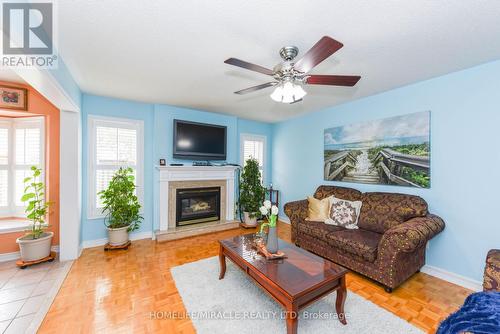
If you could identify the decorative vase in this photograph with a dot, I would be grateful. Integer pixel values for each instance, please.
(272, 240)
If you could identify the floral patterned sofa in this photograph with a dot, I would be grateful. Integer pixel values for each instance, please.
(389, 245)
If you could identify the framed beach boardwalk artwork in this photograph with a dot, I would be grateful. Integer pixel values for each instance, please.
(394, 151)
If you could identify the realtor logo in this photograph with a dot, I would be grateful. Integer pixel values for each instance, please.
(28, 34)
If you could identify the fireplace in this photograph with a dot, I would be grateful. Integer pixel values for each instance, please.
(197, 205)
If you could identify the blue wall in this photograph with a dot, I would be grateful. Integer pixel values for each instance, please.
(103, 106)
(158, 125)
(465, 158)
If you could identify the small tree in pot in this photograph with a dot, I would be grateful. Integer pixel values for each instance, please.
(121, 207)
(251, 191)
(35, 245)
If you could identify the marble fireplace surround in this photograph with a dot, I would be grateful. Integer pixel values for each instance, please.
(174, 177)
(174, 185)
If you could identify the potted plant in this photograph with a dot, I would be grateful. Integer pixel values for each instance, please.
(35, 244)
(251, 191)
(121, 206)
(271, 213)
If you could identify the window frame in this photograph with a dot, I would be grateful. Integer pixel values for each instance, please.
(254, 137)
(125, 123)
(38, 122)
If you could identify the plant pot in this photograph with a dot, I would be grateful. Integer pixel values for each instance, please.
(251, 221)
(118, 236)
(35, 249)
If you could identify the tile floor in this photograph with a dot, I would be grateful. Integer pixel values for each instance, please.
(25, 292)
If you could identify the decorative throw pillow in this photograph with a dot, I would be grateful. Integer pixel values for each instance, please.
(344, 213)
(318, 209)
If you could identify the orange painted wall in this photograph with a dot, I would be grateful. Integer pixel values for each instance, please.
(39, 105)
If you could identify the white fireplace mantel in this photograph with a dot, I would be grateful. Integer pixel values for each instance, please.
(194, 173)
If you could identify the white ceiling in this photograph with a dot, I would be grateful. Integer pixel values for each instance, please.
(172, 52)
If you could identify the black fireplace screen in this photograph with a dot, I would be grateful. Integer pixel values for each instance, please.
(197, 205)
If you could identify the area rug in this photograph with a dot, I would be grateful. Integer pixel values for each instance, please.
(237, 305)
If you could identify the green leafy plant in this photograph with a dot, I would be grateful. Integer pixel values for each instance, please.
(251, 190)
(37, 208)
(120, 201)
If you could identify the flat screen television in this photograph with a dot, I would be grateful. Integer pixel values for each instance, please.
(198, 141)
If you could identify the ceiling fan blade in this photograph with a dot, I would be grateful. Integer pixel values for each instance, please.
(255, 88)
(323, 49)
(334, 80)
(248, 66)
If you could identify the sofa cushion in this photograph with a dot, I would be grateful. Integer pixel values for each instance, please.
(344, 213)
(318, 209)
(357, 242)
(317, 229)
(381, 211)
(339, 192)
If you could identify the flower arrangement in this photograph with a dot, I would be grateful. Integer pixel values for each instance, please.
(270, 212)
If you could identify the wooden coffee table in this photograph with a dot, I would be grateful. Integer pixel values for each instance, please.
(294, 282)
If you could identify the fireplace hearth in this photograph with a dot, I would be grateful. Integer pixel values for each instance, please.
(197, 205)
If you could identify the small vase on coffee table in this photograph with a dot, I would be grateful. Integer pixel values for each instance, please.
(272, 240)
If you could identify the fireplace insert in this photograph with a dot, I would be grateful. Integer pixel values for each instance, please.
(197, 205)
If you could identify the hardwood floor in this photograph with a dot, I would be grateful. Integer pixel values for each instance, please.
(117, 291)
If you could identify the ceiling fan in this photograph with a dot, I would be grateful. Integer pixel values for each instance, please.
(290, 75)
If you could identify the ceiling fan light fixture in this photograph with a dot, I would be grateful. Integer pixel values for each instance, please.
(277, 94)
(288, 92)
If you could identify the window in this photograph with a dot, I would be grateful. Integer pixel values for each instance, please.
(253, 146)
(113, 143)
(21, 146)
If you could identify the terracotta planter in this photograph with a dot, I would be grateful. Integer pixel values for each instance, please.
(251, 221)
(35, 249)
(117, 236)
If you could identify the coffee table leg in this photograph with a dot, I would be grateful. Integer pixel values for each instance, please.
(222, 261)
(339, 305)
(292, 319)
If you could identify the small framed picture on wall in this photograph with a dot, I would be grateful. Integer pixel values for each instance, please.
(13, 98)
(163, 162)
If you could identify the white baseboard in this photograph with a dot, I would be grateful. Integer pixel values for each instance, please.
(452, 278)
(16, 255)
(284, 219)
(103, 241)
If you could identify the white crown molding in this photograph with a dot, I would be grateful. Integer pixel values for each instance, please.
(103, 241)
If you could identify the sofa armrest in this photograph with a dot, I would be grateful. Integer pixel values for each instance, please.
(492, 271)
(297, 212)
(411, 235)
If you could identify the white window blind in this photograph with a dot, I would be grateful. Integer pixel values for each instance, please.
(21, 146)
(253, 146)
(113, 143)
